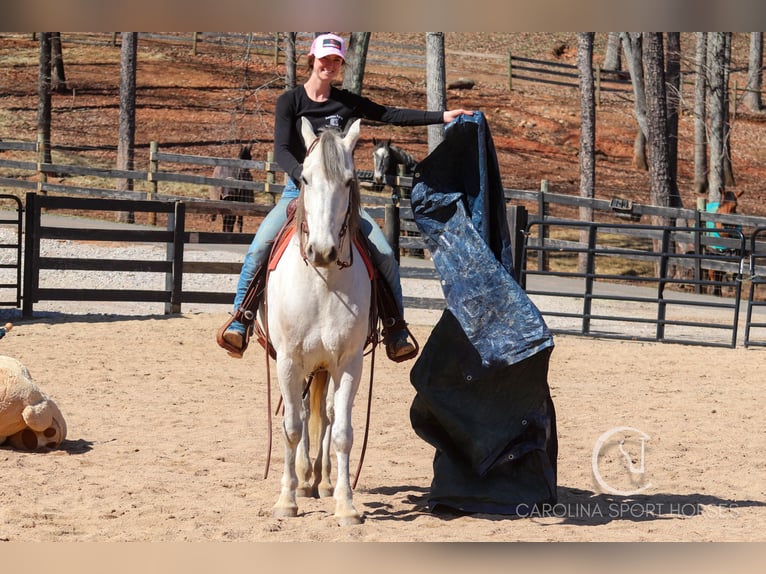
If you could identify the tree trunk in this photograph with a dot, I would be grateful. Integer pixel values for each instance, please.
(716, 55)
(752, 98)
(673, 78)
(657, 121)
(587, 132)
(127, 119)
(44, 98)
(700, 116)
(631, 43)
(660, 182)
(58, 78)
(290, 61)
(728, 172)
(613, 56)
(356, 59)
(436, 84)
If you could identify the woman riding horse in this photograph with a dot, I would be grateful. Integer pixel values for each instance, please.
(325, 106)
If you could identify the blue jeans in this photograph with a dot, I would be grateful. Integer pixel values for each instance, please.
(382, 255)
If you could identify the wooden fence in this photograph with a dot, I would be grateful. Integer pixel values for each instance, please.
(531, 215)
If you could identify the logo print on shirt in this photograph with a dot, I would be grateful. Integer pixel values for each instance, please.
(333, 122)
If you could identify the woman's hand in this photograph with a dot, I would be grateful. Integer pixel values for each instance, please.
(450, 115)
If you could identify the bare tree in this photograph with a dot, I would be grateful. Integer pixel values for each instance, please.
(657, 121)
(613, 56)
(44, 98)
(631, 43)
(436, 84)
(127, 118)
(587, 131)
(356, 59)
(752, 97)
(700, 115)
(291, 61)
(716, 54)
(728, 171)
(673, 102)
(58, 77)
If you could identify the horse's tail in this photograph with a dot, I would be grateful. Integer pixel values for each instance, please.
(316, 395)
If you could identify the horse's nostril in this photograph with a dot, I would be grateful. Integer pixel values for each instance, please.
(333, 255)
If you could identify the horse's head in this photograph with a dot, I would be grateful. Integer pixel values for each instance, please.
(381, 159)
(329, 207)
(245, 152)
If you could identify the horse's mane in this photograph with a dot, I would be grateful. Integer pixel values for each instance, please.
(333, 164)
(401, 156)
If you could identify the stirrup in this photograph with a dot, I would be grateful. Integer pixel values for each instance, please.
(235, 352)
(390, 336)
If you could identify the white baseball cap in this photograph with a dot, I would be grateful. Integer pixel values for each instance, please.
(328, 44)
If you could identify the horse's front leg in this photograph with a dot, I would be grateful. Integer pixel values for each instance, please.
(343, 440)
(292, 429)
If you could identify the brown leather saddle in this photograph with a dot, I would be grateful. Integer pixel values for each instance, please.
(383, 305)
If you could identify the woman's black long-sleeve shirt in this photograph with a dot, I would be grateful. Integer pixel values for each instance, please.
(337, 112)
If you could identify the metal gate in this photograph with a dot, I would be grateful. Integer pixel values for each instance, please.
(11, 219)
(755, 327)
(637, 283)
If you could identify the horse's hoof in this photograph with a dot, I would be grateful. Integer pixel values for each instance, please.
(352, 520)
(282, 512)
(326, 492)
(305, 492)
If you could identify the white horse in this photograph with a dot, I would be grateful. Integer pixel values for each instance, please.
(318, 303)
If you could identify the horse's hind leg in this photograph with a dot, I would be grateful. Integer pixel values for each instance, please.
(302, 456)
(323, 463)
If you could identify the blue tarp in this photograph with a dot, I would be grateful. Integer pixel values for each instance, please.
(459, 207)
(482, 395)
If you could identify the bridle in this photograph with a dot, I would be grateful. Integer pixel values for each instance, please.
(343, 235)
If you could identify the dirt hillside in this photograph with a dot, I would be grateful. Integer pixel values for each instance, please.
(206, 103)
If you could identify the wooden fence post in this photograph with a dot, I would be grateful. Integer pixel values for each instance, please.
(42, 177)
(175, 254)
(543, 211)
(517, 225)
(195, 37)
(31, 255)
(391, 226)
(154, 166)
(510, 71)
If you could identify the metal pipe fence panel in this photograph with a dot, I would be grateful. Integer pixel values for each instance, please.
(601, 283)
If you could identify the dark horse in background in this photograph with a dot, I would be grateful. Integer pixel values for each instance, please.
(386, 159)
(218, 192)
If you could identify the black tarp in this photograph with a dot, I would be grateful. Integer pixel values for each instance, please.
(482, 377)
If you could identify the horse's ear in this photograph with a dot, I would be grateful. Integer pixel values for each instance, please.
(352, 135)
(307, 131)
